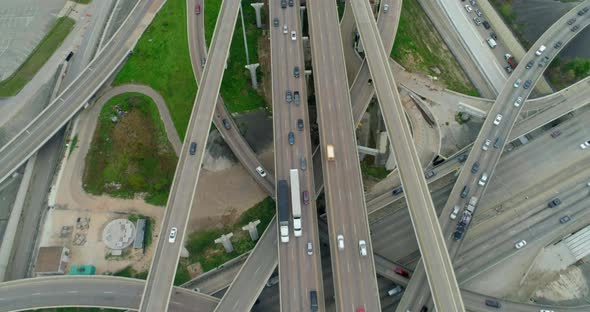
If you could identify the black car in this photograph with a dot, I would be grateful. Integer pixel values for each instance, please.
(554, 203)
(398, 191)
(462, 158)
(193, 148)
(527, 84)
(486, 25)
(291, 138)
(571, 21)
(226, 124)
(475, 167)
(558, 44)
(296, 72)
(497, 143)
(465, 191)
(283, 4)
(300, 124)
(296, 97)
(575, 28)
(290, 3)
(493, 35)
(457, 235)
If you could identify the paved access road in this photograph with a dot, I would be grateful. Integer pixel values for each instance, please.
(299, 273)
(162, 271)
(34, 135)
(441, 277)
(504, 105)
(354, 275)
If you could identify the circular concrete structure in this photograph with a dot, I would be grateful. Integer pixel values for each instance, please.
(118, 234)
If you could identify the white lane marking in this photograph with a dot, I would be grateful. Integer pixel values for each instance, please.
(36, 294)
(107, 292)
(72, 291)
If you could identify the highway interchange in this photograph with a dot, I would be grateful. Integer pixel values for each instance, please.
(326, 72)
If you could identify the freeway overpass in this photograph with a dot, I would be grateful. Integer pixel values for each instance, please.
(493, 129)
(163, 267)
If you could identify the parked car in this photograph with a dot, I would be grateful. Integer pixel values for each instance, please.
(521, 243)
(498, 119)
(527, 84)
(554, 203)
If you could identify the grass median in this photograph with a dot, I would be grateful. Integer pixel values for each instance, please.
(419, 48)
(236, 87)
(54, 38)
(130, 153)
(161, 60)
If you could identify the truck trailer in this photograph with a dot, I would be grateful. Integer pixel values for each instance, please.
(283, 203)
(295, 202)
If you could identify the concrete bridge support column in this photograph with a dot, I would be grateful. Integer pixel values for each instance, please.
(252, 69)
(225, 240)
(251, 227)
(257, 7)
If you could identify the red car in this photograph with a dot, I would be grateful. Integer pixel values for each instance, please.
(402, 272)
(360, 309)
(197, 9)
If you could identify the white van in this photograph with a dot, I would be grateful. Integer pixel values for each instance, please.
(492, 43)
(540, 50)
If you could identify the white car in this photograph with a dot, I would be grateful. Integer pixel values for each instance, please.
(543, 310)
(517, 83)
(585, 145)
(293, 35)
(518, 101)
(468, 8)
(261, 171)
(363, 248)
(486, 144)
(172, 236)
(340, 239)
(498, 119)
(483, 180)
(520, 244)
(309, 249)
(455, 212)
(285, 31)
(385, 8)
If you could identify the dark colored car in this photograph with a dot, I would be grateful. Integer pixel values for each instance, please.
(475, 167)
(305, 197)
(283, 4)
(291, 138)
(296, 72)
(288, 96)
(226, 124)
(300, 124)
(203, 61)
(290, 3)
(493, 303)
(429, 174)
(530, 64)
(571, 21)
(402, 272)
(575, 28)
(275, 22)
(486, 25)
(457, 235)
(193, 148)
(398, 191)
(527, 84)
(497, 143)
(462, 158)
(465, 191)
(564, 219)
(555, 134)
(493, 35)
(554, 203)
(296, 97)
(558, 44)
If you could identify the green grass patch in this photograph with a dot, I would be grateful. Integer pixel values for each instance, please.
(459, 118)
(133, 154)
(56, 35)
(563, 74)
(73, 144)
(369, 170)
(131, 273)
(419, 48)
(161, 60)
(82, 1)
(203, 249)
(211, 10)
(341, 6)
(236, 86)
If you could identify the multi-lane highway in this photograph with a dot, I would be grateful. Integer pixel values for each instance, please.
(165, 260)
(300, 272)
(75, 95)
(441, 277)
(496, 128)
(353, 273)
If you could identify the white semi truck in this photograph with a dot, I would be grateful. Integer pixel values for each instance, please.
(295, 202)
